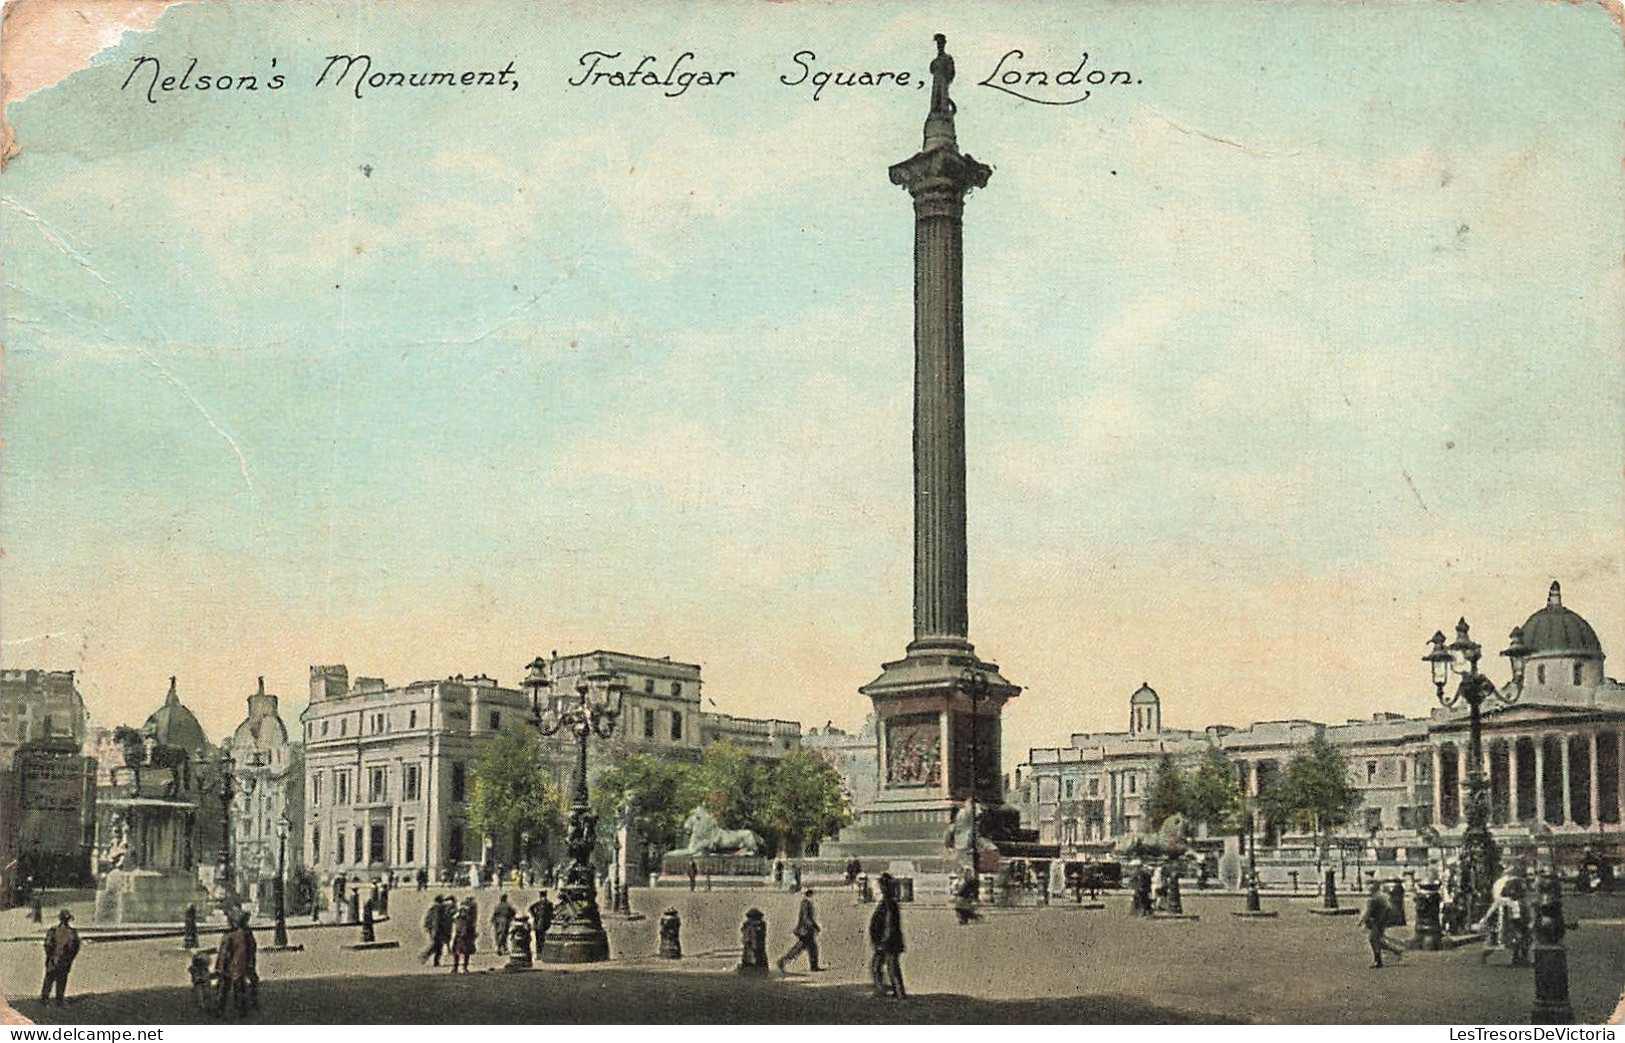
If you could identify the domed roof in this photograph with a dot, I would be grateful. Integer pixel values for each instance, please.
(1556, 630)
(1144, 694)
(263, 727)
(172, 724)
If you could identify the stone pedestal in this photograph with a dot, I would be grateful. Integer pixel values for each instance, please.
(147, 896)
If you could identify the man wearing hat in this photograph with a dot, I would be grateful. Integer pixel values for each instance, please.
(806, 932)
(61, 946)
(886, 939)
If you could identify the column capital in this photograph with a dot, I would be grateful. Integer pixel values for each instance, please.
(940, 171)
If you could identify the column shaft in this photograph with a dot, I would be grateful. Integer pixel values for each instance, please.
(1438, 788)
(1512, 780)
(1568, 795)
(939, 417)
(1592, 802)
(1540, 779)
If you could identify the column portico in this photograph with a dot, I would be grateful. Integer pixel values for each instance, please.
(1540, 778)
(1512, 779)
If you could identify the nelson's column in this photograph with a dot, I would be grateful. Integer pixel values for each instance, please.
(937, 709)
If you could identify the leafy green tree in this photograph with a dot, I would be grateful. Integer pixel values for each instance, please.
(806, 800)
(652, 790)
(1167, 795)
(733, 785)
(510, 795)
(1212, 791)
(1314, 792)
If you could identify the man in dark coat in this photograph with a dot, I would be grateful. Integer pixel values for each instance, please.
(541, 918)
(1375, 918)
(693, 873)
(501, 920)
(462, 939)
(886, 940)
(61, 946)
(431, 927)
(806, 932)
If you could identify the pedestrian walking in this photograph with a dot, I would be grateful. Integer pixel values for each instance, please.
(1374, 918)
(501, 922)
(462, 939)
(431, 927)
(355, 903)
(965, 900)
(693, 873)
(35, 913)
(541, 918)
(886, 942)
(61, 947)
(806, 932)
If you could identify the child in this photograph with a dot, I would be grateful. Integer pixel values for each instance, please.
(202, 976)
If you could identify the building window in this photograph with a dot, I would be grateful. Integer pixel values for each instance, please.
(1071, 788)
(677, 688)
(1373, 819)
(1404, 818)
(649, 685)
(1131, 782)
(411, 844)
(358, 845)
(341, 787)
(324, 727)
(377, 785)
(459, 782)
(649, 722)
(409, 786)
(454, 847)
(1094, 786)
(496, 719)
(411, 718)
(1401, 771)
(1370, 771)
(375, 844)
(316, 788)
(676, 724)
(344, 725)
(1577, 674)
(338, 849)
(1540, 674)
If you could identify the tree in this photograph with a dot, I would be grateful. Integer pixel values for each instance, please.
(1167, 796)
(806, 799)
(1314, 793)
(511, 796)
(1212, 792)
(733, 785)
(653, 791)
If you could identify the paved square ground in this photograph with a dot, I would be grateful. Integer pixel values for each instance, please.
(1056, 964)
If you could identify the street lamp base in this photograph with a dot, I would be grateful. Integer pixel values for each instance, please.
(575, 944)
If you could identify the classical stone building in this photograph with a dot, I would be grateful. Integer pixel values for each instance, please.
(855, 755)
(269, 782)
(47, 785)
(1552, 760)
(388, 769)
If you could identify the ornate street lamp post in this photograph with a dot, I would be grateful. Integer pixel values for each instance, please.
(975, 684)
(279, 885)
(577, 934)
(1480, 862)
(224, 783)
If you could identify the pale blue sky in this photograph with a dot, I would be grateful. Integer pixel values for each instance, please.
(1277, 361)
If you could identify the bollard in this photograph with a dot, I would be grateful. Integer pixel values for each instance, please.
(1175, 905)
(519, 945)
(753, 943)
(189, 941)
(1552, 1005)
(671, 935)
(1328, 896)
(866, 892)
(367, 933)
